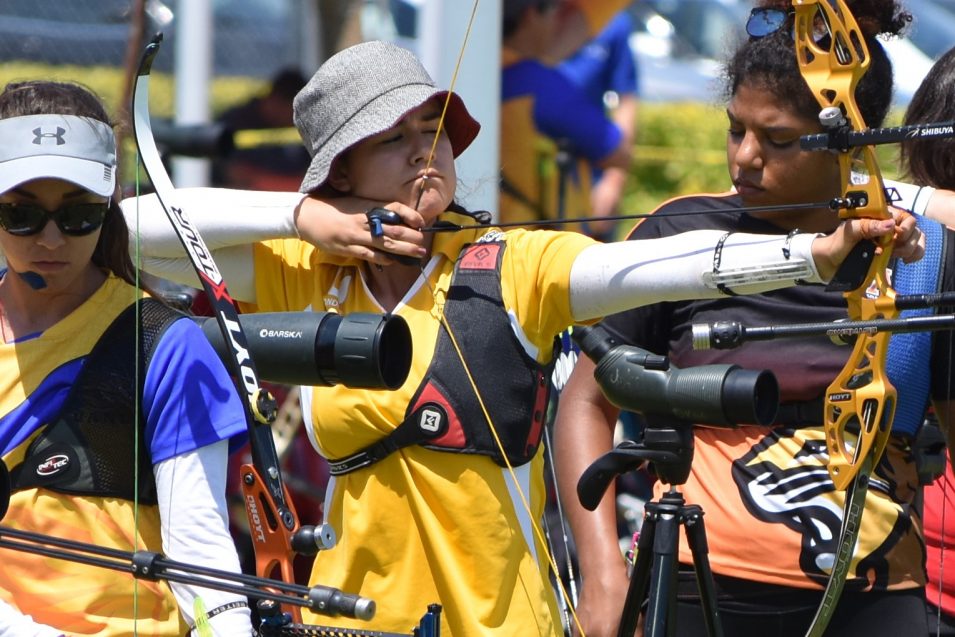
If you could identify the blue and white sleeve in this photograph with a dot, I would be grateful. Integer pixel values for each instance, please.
(912, 198)
(188, 397)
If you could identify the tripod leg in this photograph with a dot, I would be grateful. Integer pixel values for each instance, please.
(696, 538)
(654, 574)
(640, 577)
(661, 604)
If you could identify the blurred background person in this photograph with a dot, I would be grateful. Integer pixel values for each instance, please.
(551, 133)
(270, 163)
(604, 69)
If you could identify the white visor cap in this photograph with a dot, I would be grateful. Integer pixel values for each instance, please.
(80, 150)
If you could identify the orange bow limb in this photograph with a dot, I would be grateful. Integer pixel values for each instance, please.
(271, 539)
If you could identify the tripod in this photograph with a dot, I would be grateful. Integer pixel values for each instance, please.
(669, 446)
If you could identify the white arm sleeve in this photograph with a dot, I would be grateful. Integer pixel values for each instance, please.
(234, 263)
(13, 623)
(223, 217)
(229, 221)
(195, 530)
(611, 277)
(913, 198)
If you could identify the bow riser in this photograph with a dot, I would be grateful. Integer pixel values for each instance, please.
(860, 405)
(272, 541)
(832, 72)
(862, 384)
(860, 402)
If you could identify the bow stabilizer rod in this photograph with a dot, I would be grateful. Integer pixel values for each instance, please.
(844, 138)
(152, 566)
(732, 334)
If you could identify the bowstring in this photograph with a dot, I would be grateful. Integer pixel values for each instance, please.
(447, 100)
(136, 384)
(538, 533)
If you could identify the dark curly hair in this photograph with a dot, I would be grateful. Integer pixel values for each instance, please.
(932, 161)
(770, 62)
(42, 97)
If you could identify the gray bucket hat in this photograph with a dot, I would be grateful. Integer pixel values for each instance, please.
(362, 91)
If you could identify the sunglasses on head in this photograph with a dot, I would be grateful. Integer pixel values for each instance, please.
(763, 22)
(74, 220)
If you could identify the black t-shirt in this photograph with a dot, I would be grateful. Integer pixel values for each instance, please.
(773, 515)
(803, 366)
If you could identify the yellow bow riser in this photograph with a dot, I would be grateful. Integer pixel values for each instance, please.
(860, 402)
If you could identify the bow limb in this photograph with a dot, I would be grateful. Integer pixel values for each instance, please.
(272, 517)
(860, 402)
(524, 498)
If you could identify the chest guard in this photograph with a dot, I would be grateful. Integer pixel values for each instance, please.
(445, 414)
(91, 447)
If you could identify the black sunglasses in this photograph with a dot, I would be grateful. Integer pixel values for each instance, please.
(74, 220)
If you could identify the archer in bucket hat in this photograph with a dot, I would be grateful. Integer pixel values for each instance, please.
(422, 502)
(362, 91)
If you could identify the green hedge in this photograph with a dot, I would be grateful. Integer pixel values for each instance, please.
(108, 82)
(680, 149)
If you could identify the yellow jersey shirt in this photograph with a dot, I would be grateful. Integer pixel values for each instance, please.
(77, 598)
(424, 526)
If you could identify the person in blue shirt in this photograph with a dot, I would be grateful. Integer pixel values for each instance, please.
(605, 71)
(115, 412)
(551, 133)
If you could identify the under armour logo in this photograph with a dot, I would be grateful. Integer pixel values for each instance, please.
(430, 420)
(58, 136)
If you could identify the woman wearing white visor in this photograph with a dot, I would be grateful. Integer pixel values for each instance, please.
(106, 440)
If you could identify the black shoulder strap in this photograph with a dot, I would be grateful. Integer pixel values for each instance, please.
(513, 191)
(90, 448)
(442, 415)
